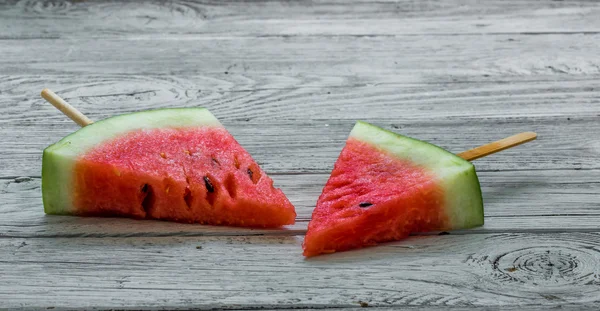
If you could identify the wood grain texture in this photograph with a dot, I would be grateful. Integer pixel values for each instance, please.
(515, 201)
(421, 58)
(312, 146)
(52, 19)
(241, 97)
(522, 106)
(289, 79)
(214, 272)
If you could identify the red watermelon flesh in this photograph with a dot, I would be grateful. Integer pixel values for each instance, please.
(385, 186)
(196, 173)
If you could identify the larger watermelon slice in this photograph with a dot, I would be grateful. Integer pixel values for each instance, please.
(385, 186)
(170, 164)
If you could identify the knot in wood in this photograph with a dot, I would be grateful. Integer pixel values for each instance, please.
(547, 266)
(46, 6)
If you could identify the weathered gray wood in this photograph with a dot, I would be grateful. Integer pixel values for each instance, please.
(45, 19)
(516, 201)
(247, 272)
(312, 146)
(422, 58)
(288, 79)
(299, 97)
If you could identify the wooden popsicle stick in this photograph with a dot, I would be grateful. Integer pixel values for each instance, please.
(468, 155)
(497, 146)
(65, 108)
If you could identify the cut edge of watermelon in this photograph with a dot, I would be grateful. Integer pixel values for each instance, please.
(458, 177)
(59, 159)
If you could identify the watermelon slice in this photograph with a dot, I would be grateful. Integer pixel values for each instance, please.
(170, 164)
(385, 186)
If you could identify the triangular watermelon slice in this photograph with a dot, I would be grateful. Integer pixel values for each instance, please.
(385, 186)
(170, 164)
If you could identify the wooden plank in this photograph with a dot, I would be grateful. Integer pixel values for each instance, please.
(269, 272)
(516, 201)
(91, 227)
(277, 97)
(312, 146)
(421, 58)
(356, 18)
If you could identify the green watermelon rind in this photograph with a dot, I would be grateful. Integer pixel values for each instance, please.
(457, 176)
(59, 159)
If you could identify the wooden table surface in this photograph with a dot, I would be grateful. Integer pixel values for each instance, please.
(289, 79)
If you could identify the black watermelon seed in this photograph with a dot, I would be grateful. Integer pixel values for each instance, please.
(208, 184)
(250, 173)
(145, 188)
(365, 204)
